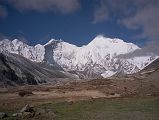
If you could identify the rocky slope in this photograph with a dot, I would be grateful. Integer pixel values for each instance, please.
(17, 70)
(97, 59)
(151, 72)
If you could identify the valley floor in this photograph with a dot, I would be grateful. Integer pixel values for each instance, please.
(132, 108)
(86, 100)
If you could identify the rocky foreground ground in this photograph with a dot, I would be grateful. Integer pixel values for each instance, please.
(12, 100)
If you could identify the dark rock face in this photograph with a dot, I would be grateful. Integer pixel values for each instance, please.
(49, 53)
(151, 72)
(17, 70)
(153, 65)
(13, 73)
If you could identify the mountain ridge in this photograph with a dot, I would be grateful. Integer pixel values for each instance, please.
(98, 58)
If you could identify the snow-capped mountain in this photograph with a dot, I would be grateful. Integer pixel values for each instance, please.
(98, 58)
(34, 53)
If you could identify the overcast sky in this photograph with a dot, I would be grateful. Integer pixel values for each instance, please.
(79, 21)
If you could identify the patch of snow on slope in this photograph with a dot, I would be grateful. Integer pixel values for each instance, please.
(108, 74)
(142, 61)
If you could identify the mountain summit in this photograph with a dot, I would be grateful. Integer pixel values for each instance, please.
(97, 59)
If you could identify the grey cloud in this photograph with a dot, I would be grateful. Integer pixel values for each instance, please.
(148, 19)
(151, 49)
(3, 12)
(106, 9)
(101, 12)
(123, 7)
(63, 6)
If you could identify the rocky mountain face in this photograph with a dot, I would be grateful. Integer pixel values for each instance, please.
(17, 70)
(97, 59)
(151, 72)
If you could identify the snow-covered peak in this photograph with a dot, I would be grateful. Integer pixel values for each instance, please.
(100, 40)
(5, 40)
(68, 45)
(109, 45)
(52, 41)
(16, 41)
(4, 43)
(97, 57)
(39, 45)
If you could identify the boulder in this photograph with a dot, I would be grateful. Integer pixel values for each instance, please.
(17, 114)
(28, 114)
(27, 108)
(45, 112)
(3, 115)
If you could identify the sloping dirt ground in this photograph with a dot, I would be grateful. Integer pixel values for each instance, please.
(84, 89)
